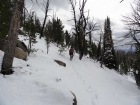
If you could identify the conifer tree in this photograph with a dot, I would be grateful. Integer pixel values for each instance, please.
(85, 48)
(54, 33)
(67, 38)
(37, 25)
(108, 47)
(49, 30)
(137, 65)
(59, 32)
(74, 42)
(99, 52)
(48, 34)
(124, 64)
(118, 60)
(93, 51)
(31, 30)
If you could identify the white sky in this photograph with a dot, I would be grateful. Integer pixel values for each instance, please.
(99, 10)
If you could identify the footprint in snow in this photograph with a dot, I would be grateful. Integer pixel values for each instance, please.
(87, 90)
(96, 97)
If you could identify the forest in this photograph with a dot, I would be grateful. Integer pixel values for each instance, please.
(15, 19)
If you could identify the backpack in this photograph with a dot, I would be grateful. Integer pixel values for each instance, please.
(71, 50)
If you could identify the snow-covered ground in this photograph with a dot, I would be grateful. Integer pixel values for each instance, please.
(41, 81)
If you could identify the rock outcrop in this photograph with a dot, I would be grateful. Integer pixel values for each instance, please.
(19, 53)
(21, 50)
(60, 63)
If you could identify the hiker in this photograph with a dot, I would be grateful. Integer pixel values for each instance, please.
(71, 53)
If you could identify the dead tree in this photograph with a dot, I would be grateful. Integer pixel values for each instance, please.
(80, 24)
(46, 15)
(91, 27)
(121, 1)
(133, 24)
(12, 38)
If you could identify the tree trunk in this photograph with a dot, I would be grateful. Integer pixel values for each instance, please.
(46, 12)
(29, 46)
(79, 45)
(12, 38)
(42, 30)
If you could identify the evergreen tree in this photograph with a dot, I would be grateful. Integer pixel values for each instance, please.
(85, 48)
(49, 30)
(57, 31)
(124, 65)
(124, 61)
(48, 34)
(99, 52)
(62, 48)
(137, 65)
(118, 60)
(60, 32)
(67, 38)
(31, 30)
(108, 53)
(37, 25)
(54, 33)
(54, 29)
(6, 9)
(74, 42)
(93, 51)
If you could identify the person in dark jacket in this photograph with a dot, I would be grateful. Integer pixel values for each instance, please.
(71, 53)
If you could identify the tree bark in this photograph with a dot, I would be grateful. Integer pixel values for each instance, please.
(12, 38)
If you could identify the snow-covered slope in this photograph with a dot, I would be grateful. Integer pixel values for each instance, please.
(41, 81)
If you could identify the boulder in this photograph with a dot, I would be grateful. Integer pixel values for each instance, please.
(60, 63)
(21, 45)
(19, 53)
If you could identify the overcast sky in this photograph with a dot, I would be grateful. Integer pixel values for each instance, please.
(99, 10)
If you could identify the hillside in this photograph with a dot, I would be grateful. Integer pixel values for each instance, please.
(41, 81)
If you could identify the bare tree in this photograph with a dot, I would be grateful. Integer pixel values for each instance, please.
(46, 15)
(121, 1)
(133, 23)
(91, 27)
(12, 38)
(80, 24)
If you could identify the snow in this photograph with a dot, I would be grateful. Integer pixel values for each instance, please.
(41, 81)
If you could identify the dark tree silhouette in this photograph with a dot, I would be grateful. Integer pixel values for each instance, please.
(80, 25)
(108, 47)
(12, 38)
(46, 15)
